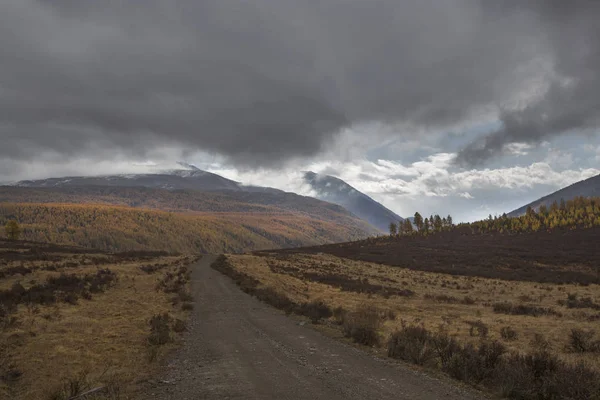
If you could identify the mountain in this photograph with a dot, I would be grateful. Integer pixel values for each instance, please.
(187, 177)
(335, 190)
(586, 188)
(66, 211)
(186, 201)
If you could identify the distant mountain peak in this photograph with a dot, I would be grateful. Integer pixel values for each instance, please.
(188, 166)
(335, 190)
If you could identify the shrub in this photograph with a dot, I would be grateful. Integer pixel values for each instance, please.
(179, 326)
(508, 333)
(523, 309)
(411, 343)
(536, 376)
(363, 326)
(315, 310)
(160, 332)
(474, 365)
(187, 306)
(582, 341)
(478, 328)
(339, 314)
(542, 376)
(575, 302)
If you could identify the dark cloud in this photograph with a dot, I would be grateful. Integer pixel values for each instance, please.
(572, 100)
(262, 81)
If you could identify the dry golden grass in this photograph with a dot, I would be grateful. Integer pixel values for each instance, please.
(104, 338)
(423, 309)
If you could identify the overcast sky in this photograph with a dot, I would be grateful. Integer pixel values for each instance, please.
(466, 107)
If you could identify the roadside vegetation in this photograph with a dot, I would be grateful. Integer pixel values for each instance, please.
(520, 340)
(75, 320)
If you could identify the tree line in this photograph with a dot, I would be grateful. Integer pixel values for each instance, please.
(432, 224)
(578, 213)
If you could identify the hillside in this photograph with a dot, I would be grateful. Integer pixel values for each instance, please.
(335, 190)
(123, 228)
(188, 201)
(587, 188)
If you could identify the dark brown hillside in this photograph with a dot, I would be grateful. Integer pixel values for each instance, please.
(559, 256)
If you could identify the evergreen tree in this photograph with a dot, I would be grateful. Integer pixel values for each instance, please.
(437, 223)
(426, 226)
(393, 229)
(408, 227)
(419, 221)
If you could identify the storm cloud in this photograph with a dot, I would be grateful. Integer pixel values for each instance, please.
(261, 82)
(570, 103)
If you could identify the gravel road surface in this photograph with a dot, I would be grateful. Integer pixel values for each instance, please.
(240, 348)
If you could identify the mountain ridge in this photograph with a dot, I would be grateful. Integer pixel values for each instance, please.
(335, 190)
(589, 187)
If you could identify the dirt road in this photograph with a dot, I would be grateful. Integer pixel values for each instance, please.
(240, 348)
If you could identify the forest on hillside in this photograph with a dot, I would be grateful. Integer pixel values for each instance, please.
(578, 213)
(179, 200)
(123, 228)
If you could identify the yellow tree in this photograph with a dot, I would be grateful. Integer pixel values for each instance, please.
(13, 230)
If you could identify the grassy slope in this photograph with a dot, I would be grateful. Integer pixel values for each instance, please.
(96, 342)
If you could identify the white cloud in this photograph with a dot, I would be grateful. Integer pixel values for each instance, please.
(517, 149)
(431, 185)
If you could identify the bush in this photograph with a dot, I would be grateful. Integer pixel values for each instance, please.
(475, 365)
(363, 326)
(575, 302)
(160, 332)
(542, 376)
(523, 309)
(582, 341)
(315, 310)
(179, 326)
(413, 344)
(187, 306)
(508, 333)
(69, 286)
(339, 314)
(536, 376)
(478, 328)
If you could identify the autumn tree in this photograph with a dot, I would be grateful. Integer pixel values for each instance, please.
(393, 229)
(13, 230)
(418, 221)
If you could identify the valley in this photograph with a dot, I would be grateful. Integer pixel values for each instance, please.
(507, 305)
